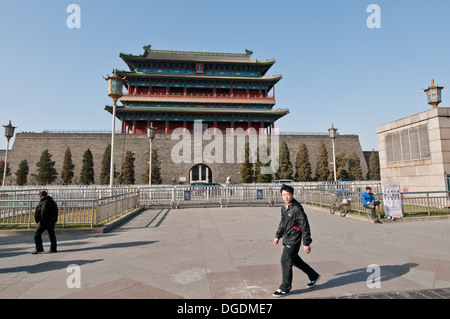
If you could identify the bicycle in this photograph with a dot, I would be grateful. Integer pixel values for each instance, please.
(340, 205)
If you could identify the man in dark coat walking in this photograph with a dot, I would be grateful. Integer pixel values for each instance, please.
(293, 228)
(46, 215)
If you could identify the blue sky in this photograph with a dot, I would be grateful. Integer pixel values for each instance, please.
(335, 69)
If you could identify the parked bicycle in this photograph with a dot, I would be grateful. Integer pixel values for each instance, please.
(341, 204)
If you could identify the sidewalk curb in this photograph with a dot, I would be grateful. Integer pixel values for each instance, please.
(384, 220)
(352, 216)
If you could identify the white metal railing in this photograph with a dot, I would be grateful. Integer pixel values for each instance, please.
(238, 194)
(220, 195)
(93, 204)
(412, 203)
(71, 211)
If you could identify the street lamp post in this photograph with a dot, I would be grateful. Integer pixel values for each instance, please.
(115, 84)
(333, 133)
(151, 132)
(434, 94)
(9, 133)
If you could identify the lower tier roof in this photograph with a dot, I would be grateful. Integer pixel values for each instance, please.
(191, 113)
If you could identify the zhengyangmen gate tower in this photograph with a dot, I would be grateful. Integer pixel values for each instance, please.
(172, 89)
(230, 92)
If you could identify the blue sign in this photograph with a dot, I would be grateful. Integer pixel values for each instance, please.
(187, 195)
(259, 194)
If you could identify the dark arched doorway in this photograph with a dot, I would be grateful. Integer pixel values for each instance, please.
(200, 173)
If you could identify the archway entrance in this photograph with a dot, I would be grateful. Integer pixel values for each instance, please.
(200, 174)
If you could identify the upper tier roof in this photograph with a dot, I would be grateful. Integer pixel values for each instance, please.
(189, 56)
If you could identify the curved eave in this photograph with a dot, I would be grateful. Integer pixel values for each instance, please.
(129, 74)
(156, 99)
(120, 109)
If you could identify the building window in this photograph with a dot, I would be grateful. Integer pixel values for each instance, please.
(408, 145)
(199, 68)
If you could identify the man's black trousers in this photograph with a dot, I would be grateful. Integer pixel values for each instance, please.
(291, 258)
(372, 208)
(50, 228)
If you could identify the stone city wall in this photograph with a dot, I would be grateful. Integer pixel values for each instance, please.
(30, 146)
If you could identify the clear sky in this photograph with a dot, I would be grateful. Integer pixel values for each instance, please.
(335, 68)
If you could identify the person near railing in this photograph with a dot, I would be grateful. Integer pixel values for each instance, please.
(46, 215)
(369, 202)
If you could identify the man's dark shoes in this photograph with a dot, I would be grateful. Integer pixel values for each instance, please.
(313, 282)
(280, 293)
(35, 252)
(52, 251)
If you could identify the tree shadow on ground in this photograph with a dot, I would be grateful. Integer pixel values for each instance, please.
(46, 266)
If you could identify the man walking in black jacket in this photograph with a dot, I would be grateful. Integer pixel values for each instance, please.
(46, 215)
(293, 228)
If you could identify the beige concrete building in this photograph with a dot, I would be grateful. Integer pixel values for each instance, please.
(415, 151)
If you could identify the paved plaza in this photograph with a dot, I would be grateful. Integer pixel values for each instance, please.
(228, 253)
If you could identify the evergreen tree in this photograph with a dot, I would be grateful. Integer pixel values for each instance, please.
(106, 160)
(87, 169)
(67, 168)
(374, 167)
(302, 165)
(127, 172)
(156, 169)
(285, 170)
(22, 173)
(322, 171)
(46, 173)
(341, 162)
(246, 168)
(261, 178)
(2, 170)
(354, 167)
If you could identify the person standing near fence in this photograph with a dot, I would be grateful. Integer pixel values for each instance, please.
(293, 228)
(369, 202)
(46, 215)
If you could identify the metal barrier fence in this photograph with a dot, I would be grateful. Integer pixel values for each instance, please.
(239, 194)
(411, 202)
(66, 192)
(70, 211)
(93, 204)
(178, 196)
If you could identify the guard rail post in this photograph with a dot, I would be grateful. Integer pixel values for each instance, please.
(29, 215)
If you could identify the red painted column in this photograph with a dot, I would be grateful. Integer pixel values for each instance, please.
(166, 130)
